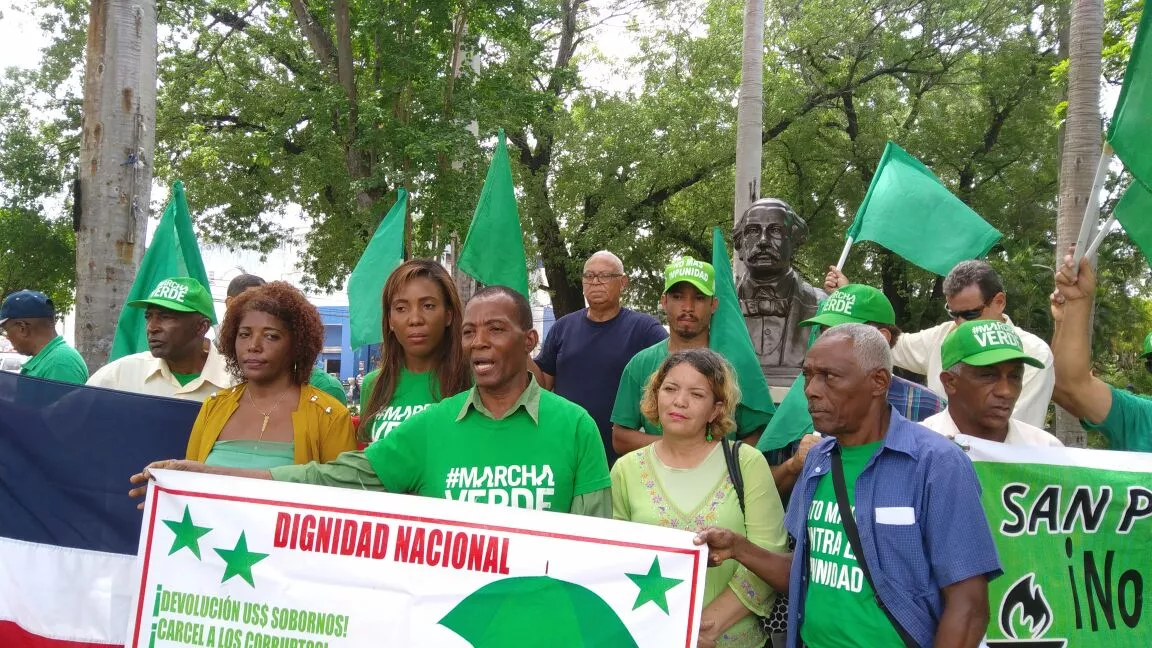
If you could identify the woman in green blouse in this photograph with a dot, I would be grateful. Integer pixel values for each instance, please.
(421, 357)
(682, 481)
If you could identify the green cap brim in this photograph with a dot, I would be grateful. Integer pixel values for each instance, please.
(164, 303)
(996, 356)
(700, 285)
(831, 319)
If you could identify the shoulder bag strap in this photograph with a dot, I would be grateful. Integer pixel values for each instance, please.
(848, 520)
(732, 458)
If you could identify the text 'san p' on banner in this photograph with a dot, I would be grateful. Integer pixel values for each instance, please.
(239, 562)
(1074, 532)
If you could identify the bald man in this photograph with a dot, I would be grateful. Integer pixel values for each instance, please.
(585, 352)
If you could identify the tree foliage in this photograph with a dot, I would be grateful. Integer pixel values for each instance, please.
(328, 105)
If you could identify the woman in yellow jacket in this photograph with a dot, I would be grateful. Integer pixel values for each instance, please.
(271, 337)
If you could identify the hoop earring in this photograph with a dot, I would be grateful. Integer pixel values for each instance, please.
(708, 431)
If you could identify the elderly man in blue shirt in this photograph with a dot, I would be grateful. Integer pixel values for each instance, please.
(926, 548)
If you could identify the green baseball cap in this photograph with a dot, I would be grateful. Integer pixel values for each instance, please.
(853, 304)
(1148, 344)
(981, 343)
(699, 274)
(182, 294)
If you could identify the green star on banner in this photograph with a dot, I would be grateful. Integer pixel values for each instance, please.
(653, 586)
(187, 534)
(239, 561)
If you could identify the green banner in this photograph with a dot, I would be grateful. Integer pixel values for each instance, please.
(1074, 532)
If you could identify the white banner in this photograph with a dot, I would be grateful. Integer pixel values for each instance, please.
(243, 563)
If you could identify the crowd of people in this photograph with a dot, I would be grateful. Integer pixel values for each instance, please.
(616, 417)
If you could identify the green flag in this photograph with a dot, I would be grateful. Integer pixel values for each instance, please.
(910, 212)
(174, 252)
(493, 253)
(1134, 211)
(366, 284)
(1130, 132)
(729, 337)
(791, 422)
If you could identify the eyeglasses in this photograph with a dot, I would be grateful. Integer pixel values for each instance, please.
(967, 315)
(602, 277)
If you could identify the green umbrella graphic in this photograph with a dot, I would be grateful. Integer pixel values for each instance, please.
(537, 611)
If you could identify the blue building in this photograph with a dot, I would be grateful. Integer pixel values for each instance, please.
(336, 357)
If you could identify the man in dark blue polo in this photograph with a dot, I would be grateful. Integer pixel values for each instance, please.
(927, 550)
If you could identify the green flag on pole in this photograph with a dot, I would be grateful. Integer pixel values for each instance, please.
(729, 337)
(1130, 132)
(174, 252)
(791, 421)
(1134, 211)
(909, 211)
(385, 251)
(493, 253)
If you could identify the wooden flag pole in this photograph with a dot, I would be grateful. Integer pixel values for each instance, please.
(1092, 210)
(844, 255)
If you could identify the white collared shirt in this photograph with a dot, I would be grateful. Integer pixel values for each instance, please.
(1019, 432)
(920, 352)
(143, 374)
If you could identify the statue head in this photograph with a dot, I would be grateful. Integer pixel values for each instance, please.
(767, 235)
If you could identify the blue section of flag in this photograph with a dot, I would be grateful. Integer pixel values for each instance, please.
(66, 453)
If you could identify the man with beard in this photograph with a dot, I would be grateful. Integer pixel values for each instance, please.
(180, 361)
(774, 298)
(689, 301)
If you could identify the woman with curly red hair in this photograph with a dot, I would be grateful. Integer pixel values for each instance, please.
(270, 338)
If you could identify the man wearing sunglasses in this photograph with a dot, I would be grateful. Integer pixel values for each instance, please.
(585, 352)
(972, 291)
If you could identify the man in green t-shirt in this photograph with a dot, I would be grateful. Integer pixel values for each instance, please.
(689, 301)
(1123, 417)
(319, 378)
(506, 441)
(28, 320)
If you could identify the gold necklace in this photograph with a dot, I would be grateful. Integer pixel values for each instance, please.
(267, 415)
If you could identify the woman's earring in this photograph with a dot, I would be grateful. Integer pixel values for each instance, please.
(708, 431)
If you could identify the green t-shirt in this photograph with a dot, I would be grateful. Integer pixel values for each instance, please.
(626, 410)
(184, 379)
(324, 381)
(835, 582)
(57, 361)
(414, 392)
(544, 452)
(1128, 425)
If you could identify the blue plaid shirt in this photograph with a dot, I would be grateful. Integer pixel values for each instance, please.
(948, 540)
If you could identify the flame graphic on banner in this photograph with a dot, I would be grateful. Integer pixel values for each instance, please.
(1035, 613)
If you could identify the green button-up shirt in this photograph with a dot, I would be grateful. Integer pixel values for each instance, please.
(352, 470)
(57, 361)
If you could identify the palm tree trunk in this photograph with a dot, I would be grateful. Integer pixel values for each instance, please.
(750, 109)
(117, 141)
(1081, 148)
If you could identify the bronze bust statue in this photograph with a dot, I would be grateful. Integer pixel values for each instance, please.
(774, 298)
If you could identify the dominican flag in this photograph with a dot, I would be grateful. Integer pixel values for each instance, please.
(68, 530)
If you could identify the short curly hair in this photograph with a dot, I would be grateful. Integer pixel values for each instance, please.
(715, 370)
(285, 302)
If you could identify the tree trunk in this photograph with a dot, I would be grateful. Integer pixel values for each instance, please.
(750, 109)
(117, 141)
(1081, 148)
